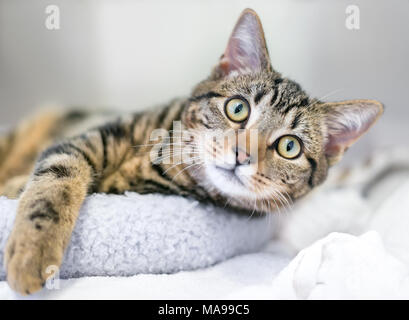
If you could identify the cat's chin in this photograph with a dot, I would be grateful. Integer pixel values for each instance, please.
(228, 181)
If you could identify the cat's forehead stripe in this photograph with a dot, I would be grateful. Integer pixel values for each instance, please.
(273, 100)
(260, 94)
(296, 121)
(208, 95)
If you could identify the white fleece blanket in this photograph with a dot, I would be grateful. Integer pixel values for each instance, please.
(367, 258)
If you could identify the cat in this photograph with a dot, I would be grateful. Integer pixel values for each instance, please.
(52, 170)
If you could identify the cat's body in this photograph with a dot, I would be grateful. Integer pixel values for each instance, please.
(120, 141)
(297, 139)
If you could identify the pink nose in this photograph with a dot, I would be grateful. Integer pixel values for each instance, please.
(242, 157)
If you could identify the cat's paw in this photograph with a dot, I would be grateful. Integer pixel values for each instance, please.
(28, 263)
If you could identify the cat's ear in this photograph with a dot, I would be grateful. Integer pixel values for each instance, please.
(246, 50)
(347, 121)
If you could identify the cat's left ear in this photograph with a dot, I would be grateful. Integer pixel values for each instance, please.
(246, 50)
(346, 122)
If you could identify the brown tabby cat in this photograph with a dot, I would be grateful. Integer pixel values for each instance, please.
(298, 139)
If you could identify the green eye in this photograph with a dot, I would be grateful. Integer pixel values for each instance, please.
(237, 110)
(289, 147)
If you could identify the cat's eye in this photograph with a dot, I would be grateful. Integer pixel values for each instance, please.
(237, 109)
(289, 147)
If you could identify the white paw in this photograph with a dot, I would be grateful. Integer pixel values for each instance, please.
(342, 266)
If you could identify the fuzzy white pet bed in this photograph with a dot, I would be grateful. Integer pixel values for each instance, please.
(133, 234)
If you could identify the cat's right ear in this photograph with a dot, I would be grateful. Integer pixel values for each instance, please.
(246, 50)
(346, 122)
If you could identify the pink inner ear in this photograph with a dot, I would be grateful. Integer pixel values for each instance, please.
(340, 141)
(246, 49)
(347, 122)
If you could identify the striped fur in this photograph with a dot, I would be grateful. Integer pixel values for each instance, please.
(52, 164)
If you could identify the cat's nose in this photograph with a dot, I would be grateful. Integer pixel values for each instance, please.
(242, 157)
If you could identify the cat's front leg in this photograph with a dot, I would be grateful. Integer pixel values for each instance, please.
(46, 216)
(50, 203)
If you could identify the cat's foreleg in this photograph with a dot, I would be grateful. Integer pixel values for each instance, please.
(46, 214)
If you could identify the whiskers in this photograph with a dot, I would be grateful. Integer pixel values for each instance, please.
(325, 96)
(269, 194)
(186, 158)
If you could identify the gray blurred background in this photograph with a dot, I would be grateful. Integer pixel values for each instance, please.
(134, 54)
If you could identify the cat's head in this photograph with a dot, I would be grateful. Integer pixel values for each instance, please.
(298, 137)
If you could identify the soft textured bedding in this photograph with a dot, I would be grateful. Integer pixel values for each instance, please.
(367, 257)
(132, 234)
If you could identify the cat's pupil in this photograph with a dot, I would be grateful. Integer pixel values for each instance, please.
(238, 108)
(290, 145)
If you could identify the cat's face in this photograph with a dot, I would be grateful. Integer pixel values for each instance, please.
(259, 138)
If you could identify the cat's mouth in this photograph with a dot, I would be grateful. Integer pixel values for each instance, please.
(230, 174)
(228, 180)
